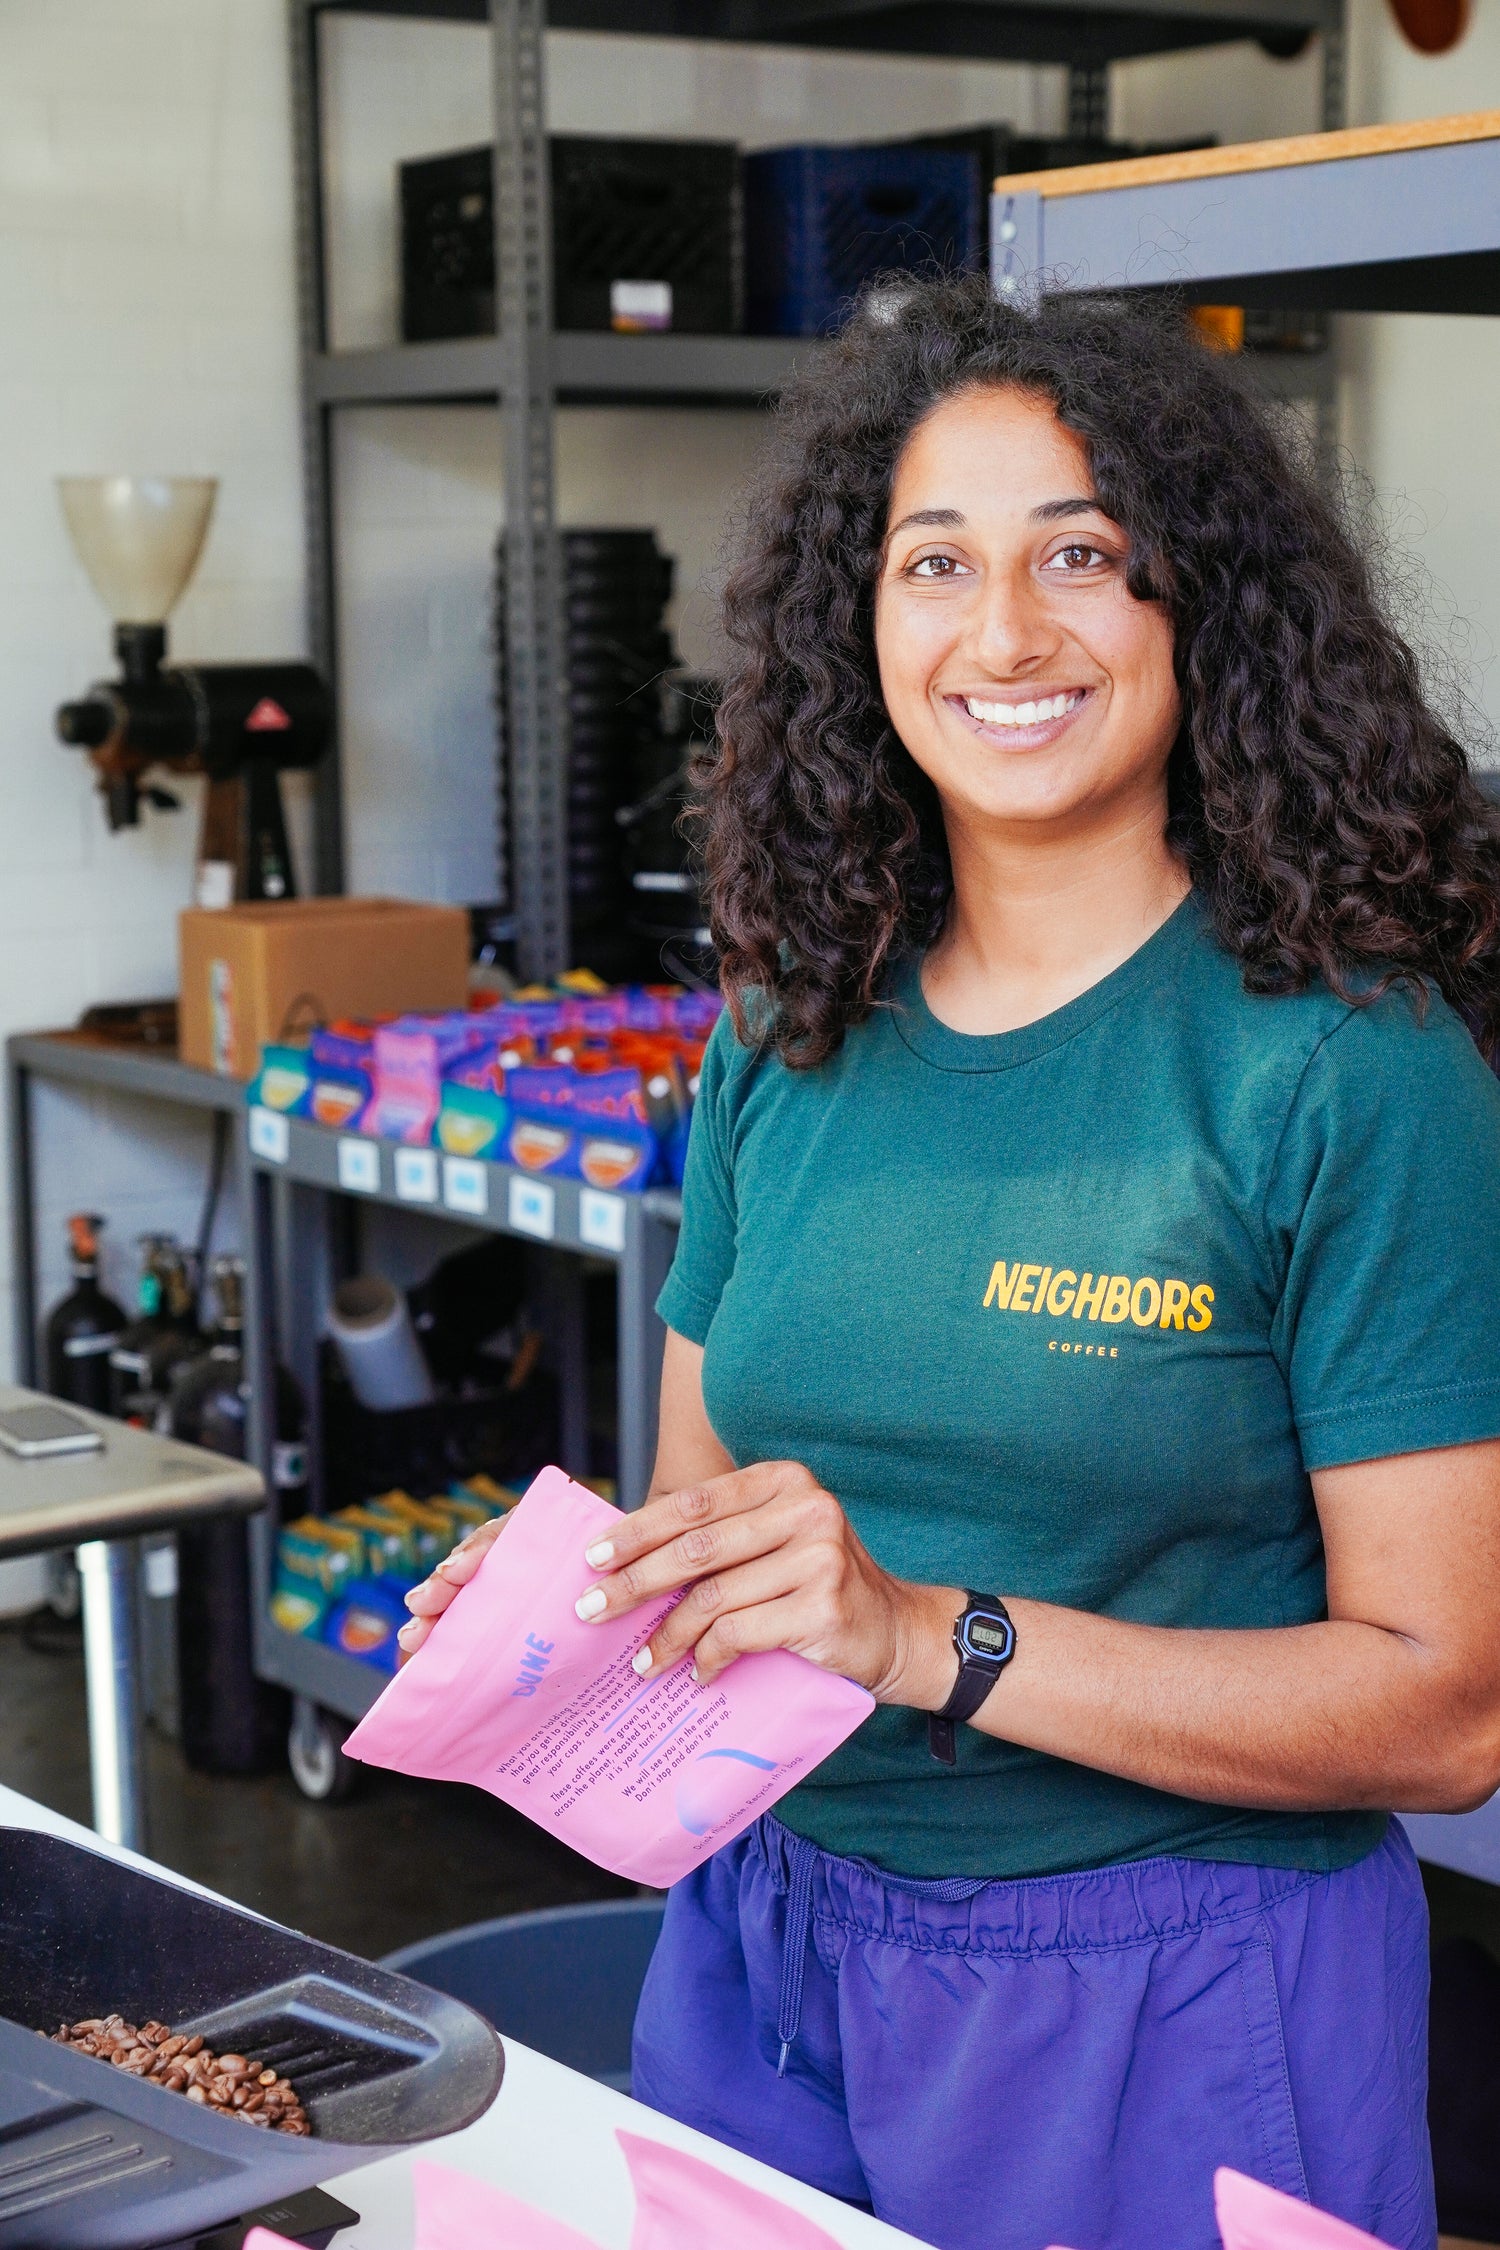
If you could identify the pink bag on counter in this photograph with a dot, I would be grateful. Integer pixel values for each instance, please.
(681, 2203)
(1254, 2217)
(455, 2212)
(647, 1777)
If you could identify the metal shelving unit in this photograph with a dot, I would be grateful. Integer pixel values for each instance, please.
(1384, 218)
(528, 369)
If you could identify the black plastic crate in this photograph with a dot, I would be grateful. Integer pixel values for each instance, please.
(94, 2159)
(666, 898)
(822, 221)
(666, 214)
(616, 583)
(663, 212)
(507, 1435)
(448, 245)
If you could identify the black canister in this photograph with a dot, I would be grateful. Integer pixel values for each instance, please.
(164, 1331)
(84, 1327)
(231, 1721)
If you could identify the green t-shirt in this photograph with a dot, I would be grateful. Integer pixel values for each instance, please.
(1070, 1312)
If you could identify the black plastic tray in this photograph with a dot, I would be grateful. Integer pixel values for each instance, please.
(92, 2159)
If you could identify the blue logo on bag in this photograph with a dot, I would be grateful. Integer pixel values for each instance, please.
(713, 1787)
(533, 1665)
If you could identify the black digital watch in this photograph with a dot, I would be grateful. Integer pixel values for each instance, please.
(985, 1640)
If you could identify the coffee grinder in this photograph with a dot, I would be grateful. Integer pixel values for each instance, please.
(241, 725)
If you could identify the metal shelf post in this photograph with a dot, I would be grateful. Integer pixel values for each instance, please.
(316, 432)
(535, 681)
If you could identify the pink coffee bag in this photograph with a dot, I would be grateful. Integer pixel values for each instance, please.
(515, 1694)
(455, 2212)
(1252, 2216)
(681, 2203)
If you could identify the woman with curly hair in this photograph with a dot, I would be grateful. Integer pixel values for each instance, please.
(1082, 1329)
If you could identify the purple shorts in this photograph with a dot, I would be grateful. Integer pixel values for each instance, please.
(999, 2066)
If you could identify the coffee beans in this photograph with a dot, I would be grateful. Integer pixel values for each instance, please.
(231, 2083)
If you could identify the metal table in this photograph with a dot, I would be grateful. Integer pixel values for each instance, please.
(100, 1503)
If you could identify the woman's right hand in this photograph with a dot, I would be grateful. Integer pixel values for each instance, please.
(428, 1601)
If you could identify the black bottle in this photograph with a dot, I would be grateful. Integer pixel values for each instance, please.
(231, 1721)
(128, 1361)
(84, 1328)
(177, 1336)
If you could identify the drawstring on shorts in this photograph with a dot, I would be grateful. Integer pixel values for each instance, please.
(801, 1859)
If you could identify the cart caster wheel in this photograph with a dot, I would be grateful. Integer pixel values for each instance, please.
(315, 1751)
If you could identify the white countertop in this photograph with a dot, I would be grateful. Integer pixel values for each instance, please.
(549, 2136)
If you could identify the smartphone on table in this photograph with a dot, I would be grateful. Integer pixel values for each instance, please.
(37, 1433)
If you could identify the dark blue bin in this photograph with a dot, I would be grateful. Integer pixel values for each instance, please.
(819, 222)
(565, 1980)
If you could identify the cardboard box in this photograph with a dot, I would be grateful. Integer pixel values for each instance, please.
(251, 973)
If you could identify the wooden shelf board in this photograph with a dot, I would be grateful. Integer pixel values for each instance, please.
(1254, 156)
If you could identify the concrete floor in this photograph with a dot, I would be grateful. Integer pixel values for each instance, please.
(399, 1860)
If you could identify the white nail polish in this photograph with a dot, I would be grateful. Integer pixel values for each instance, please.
(592, 1603)
(693, 1672)
(641, 1661)
(602, 1552)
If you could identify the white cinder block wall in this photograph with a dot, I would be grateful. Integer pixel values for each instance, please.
(146, 322)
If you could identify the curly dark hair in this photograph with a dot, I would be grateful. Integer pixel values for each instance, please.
(1324, 809)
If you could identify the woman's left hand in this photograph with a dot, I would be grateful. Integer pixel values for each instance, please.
(770, 1560)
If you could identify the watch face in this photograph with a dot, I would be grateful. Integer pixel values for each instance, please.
(989, 1638)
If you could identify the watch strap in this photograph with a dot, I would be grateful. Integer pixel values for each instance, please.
(976, 1676)
(942, 1739)
(970, 1689)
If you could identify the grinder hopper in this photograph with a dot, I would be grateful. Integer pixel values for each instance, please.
(139, 539)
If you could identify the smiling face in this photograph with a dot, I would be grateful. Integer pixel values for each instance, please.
(1026, 680)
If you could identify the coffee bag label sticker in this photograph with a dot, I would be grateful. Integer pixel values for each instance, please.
(359, 1167)
(466, 1186)
(270, 1135)
(417, 1175)
(601, 1220)
(532, 1208)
